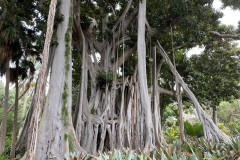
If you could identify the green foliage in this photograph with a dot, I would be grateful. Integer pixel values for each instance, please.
(93, 111)
(77, 156)
(4, 155)
(65, 136)
(107, 34)
(232, 3)
(64, 110)
(229, 113)
(85, 20)
(170, 112)
(70, 140)
(172, 134)
(214, 74)
(65, 94)
(192, 149)
(70, 143)
(10, 117)
(129, 65)
(224, 128)
(104, 79)
(195, 129)
(218, 150)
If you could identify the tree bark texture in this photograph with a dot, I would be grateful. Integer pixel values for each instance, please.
(14, 133)
(40, 88)
(56, 137)
(142, 76)
(180, 108)
(215, 115)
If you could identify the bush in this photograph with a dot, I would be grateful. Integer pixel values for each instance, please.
(172, 134)
(195, 129)
(104, 78)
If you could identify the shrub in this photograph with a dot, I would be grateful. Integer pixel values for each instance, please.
(104, 78)
(195, 129)
(172, 134)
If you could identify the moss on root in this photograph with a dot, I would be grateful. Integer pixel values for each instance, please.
(65, 94)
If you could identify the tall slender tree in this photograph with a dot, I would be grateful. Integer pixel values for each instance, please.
(14, 134)
(9, 45)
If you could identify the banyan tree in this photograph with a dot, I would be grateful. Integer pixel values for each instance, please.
(113, 52)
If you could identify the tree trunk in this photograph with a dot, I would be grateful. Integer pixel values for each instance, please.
(25, 105)
(24, 92)
(40, 88)
(118, 115)
(215, 115)
(142, 78)
(55, 135)
(180, 108)
(160, 141)
(10, 108)
(24, 130)
(12, 153)
(4, 118)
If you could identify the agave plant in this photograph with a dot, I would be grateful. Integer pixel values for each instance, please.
(77, 156)
(235, 144)
(192, 149)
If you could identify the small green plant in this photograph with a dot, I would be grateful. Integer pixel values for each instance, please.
(93, 111)
(195, 130)
(104, 78)
(77, 156)
(65, 136)
(129, 65)
(5, 154)
(172, 134)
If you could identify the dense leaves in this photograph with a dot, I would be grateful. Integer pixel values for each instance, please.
(214, 76)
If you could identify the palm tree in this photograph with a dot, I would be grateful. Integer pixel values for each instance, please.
(15, 40)
(9, 35)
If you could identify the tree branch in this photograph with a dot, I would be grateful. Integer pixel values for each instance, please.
(233, 36)
(97, 45)
(159, 66)
(121, 41)
(123, 15)
(24, 92)
(165, 91)
(127, 55)
(128, 21)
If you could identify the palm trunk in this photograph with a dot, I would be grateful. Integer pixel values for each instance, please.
(12, 153)
(10, 108)
(4, 119)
